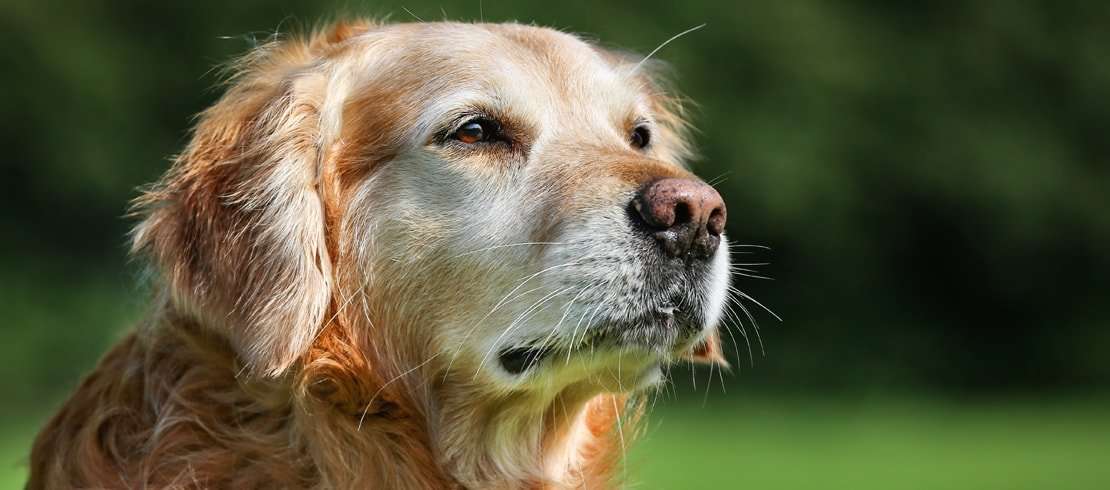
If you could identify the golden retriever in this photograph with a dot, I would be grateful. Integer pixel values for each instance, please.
(426, 255)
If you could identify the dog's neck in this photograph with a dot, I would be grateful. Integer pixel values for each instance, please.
(565, 440)
(415, 427)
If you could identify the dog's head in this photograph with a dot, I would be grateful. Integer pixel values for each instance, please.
(504, 201)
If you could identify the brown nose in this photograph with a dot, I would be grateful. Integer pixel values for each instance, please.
(686, 216)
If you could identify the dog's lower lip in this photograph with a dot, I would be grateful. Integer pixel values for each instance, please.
(517, 360)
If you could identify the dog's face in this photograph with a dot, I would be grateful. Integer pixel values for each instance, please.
(509, 202)
(513, 212)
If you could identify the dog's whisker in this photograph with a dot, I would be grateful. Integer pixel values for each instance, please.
(753, 300)
(417, 17)
(721, 376)
(534, 310)
(516, 323)
(708, 386)
(620, 423)
(566, 312)
(586, 327)
(736, 345)
(574, 334)
(360, 291)
(744, 273)
(754, 323)
(694, 379)
(620, 428)
(664, 44)
(718, 179)
(499, 304)
(529, 278)
(520, 318)
(732, 246)
(496, 247)
(730, 312)
(385, 385)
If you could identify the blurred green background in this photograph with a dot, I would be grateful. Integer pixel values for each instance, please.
(932, 179)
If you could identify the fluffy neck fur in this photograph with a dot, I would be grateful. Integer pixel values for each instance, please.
(393, 407)
(170, 407)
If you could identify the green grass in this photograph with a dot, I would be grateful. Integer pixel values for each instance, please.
(15, 446)
(876, 444)
(800, 444)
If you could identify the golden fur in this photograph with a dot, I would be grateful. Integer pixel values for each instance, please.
(271, 359)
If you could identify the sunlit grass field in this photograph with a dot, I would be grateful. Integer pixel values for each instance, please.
(791, 443)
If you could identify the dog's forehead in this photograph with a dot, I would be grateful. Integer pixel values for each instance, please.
(539, 70)
(567, 71)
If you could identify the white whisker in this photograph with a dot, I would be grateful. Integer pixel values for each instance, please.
(740, 271)
(529, 278)
(620, 430)
(517, 322)
(665, 43)
(495, 247)
(755, 325)
(718, 179)
(570, 350)
(729, 312)
(566, 311)
(386, 384)
(357, 293)
(499, 305)
(708, 386)
(753, 300)
(745, 245)
(417, 17)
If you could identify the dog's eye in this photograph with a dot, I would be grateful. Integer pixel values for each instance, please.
(641, 137)
(476, 131)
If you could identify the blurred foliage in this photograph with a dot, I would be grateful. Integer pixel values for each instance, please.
(932, 177)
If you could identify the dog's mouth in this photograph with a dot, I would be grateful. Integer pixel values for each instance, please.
(517, 360)
(664, 332)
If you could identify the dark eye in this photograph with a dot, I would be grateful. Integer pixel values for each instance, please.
(641, 137)
(476, 131)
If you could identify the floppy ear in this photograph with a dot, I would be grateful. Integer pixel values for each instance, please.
(237, 226)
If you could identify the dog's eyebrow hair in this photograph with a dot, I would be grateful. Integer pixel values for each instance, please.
(665, 43)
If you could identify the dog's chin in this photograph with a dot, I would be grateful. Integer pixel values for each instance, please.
(612, 369)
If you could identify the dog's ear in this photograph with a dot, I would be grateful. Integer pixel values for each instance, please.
(237, 227)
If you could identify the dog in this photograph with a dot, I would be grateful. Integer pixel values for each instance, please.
(415, 255)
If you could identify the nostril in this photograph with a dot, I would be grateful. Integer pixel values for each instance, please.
(715, 225)
(682, 213)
